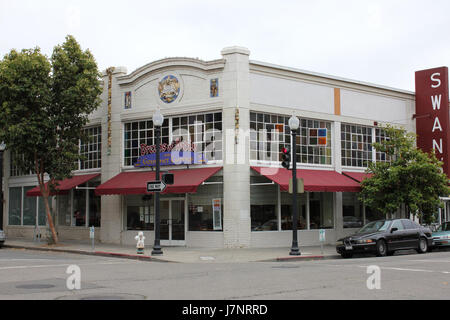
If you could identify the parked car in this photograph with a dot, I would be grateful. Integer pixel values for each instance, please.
(384, 237)
(441, 237)
(2, 237)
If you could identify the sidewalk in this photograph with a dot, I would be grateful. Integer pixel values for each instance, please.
(180, 254)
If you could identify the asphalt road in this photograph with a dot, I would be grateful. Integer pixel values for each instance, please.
(42, 275)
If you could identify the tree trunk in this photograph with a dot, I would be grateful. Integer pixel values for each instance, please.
(49, 218)
(45, 193)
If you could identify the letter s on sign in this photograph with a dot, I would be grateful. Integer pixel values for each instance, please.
(435, 80)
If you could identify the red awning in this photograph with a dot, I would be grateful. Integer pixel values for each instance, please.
(185, 181)
(64, 185)
(315, 180)
(357, 176)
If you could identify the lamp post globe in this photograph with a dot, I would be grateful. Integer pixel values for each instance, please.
(294, 123)
(158, 120)
(2, 146)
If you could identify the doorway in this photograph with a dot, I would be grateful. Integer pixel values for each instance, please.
(172, 213)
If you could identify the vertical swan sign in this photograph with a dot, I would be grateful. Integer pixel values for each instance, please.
(432, 113)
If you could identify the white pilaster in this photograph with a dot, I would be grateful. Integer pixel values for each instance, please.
(236, 172)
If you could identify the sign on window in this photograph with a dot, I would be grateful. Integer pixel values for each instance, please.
(217, 214)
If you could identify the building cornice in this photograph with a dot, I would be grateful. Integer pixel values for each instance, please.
(206, 66)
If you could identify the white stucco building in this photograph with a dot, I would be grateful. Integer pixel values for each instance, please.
(232, 199)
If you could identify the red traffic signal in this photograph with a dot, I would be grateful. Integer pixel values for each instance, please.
(286, 157)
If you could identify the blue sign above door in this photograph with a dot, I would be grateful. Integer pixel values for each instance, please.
(171, 158)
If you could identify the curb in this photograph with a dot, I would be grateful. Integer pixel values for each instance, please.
(90, 253)
(153, 259)
(302, 258)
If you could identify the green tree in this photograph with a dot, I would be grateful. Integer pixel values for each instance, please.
(44, 105)
(411, 177)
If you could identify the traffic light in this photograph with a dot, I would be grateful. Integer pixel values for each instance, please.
(168, 178)
(286, 157)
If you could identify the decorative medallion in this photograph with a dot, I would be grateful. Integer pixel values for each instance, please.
(169, 89)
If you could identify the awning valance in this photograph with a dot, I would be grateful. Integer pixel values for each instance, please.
(315, 180)
(185, 181)
(64, 185)
(357, 176)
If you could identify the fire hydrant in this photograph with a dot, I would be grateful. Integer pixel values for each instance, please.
(140, 242)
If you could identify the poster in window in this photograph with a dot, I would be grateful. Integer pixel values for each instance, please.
(217, 214)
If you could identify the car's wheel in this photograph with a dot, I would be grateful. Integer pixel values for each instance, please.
(346, 255)
(381, 248)
(423, 245)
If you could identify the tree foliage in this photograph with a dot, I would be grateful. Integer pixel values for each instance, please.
(44, 105)
(411, 177)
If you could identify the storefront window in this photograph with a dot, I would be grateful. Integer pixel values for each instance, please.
(263, 204)
(94, 209)
(15, 206)
(64, 210)
(29, 208)
(373, 215)
(313, 146)
(206, 206)
(356, 145)
(42, 213)
(352, 210)
(286, 211)
(92, 149)
(321, 210)
(14, 169)
(33, 207)
(79, 208)
(379, 137)
(140, 212)
(203, 131)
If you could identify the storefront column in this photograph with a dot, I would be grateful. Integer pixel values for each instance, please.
(338, 215)
(236, 169)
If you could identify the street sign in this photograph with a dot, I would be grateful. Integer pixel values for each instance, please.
(156, 186)
(300, 186)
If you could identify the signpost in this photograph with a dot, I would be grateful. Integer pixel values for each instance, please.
(156, 186)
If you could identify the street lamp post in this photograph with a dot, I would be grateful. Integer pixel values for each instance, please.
(294, 123)
(158, 120)
(2, 148)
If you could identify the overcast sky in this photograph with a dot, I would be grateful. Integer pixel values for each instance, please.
(381, 42)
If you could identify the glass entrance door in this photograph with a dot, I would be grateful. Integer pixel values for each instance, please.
(172, 222)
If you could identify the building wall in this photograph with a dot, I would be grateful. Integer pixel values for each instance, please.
(244, 86)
